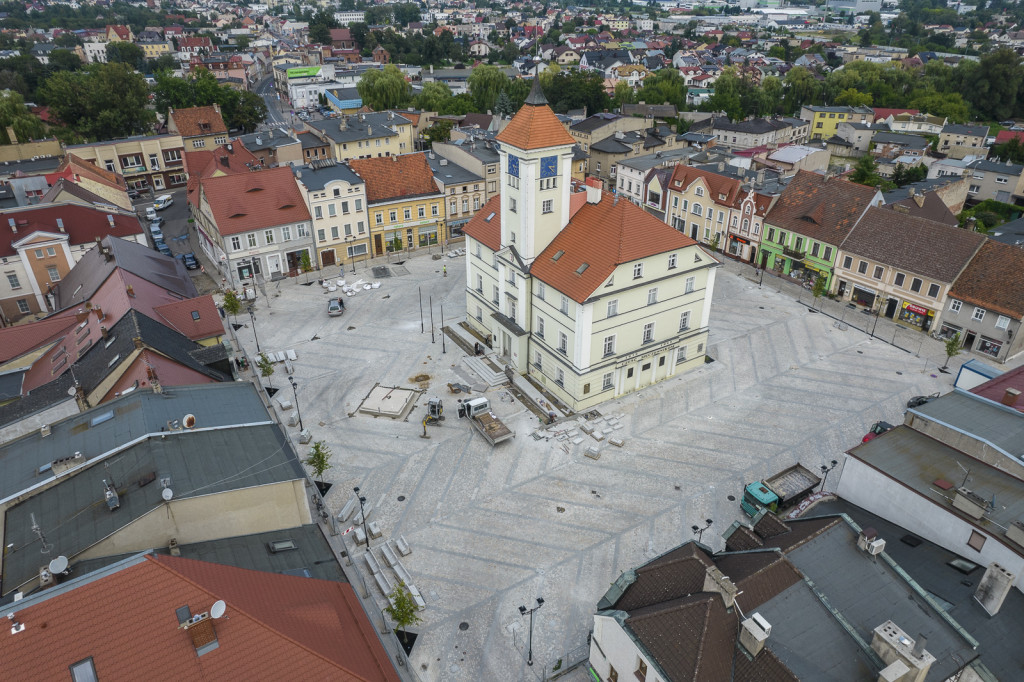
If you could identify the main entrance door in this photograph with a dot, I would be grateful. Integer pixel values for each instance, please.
(327, 257)
(890, 307)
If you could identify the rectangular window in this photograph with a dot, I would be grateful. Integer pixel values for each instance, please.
(828, 249)
(359, 205)
(1002, 322)
(51, 271)
(979, 314)
(393, 215)
(684, 320)
(641, 671)
(494, 290)
(540, 324)
(933, 290)
(344, 207)
(771, 234)
(321, 235)
(613, 307)
(512, 204)
(83, 671)
(915, 285)
(900, 278)
(606, 381)
(848, 262)
(407, 213)
(955, 305)
(286, 233)
(331, 210)
(648, 332)
(334, 231)
(541, 289)
(379, 217)
(652, 296)
(878, 272)
(268, 236)
(560, 378)
(251, 240)
(538, 360)
(23, 306)
(348, 229)
(421, 211)
(564, 305)
(638, 270)
(609, 345)
(815, 248)
(563, 343)
(12, 280)
(546, 206)
(172, 155)
(360, 227)
(671, 261)
(862, 267)
(690, 281)
(681, 355)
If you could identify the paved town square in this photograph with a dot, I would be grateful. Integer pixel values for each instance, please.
(493, 528)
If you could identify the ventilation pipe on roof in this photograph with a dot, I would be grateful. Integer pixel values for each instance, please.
(1010, 397)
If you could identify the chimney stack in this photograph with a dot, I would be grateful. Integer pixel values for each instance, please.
(593, 190)
(993, 588)
(1010, 397)
(716, 581)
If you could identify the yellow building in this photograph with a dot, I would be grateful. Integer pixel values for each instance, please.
(336, 198)
(366, 136)
(199, 127)
(825, 121)
(152, 50)
(404, 202)
(146, 161)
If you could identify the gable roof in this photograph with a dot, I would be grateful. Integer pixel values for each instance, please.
(535, 126)
(603, 236)
(82, 224)
(485, 225)
(75, 168)
(250, 201)
(195, 318)
(197, 121)
(994, 280)
(206, 163)
(722, 189)
(279, 626)
(923, 247)
(824, 209)
(395, 177)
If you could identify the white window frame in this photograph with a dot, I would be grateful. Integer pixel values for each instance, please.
(955, 305)
(684, 320)
(1002, 322)
(978, 315)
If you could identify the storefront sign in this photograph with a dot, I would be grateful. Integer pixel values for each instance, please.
(915, 309)
(741, 240)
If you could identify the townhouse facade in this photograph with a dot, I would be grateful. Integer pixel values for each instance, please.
(606, 154)
(958, 141)
(146, 161)
(336, 198)
(198, 127)
(758, 132)
(364, 136)
(464, 192)
(1002, 181)
(824, 121)
(479, 157)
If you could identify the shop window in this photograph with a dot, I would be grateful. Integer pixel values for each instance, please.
(990, 347)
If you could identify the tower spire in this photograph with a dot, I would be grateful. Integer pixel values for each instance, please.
(536, 97)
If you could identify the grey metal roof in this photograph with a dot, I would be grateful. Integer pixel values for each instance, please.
(120, 421)
(485, 152)
(450, 173)
(904, 139)
(971, 130)
(73, 515)
(317, 175)
(360, 126)
(990, 166)
(267, 139)
(595, 122)
(917, 461)
(866, 592)
(997, 424)
(649, 161)
(312, 555)
(928, 564)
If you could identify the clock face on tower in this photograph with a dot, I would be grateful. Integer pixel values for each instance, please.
(513, 166)
(549, 167)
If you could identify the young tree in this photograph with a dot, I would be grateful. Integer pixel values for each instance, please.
(266, 367)
(305, 264)
(952, 348)
(441, 131)
(402, 609)
(232, 304)
(819, 287)
(865, 171)
(504, 106)
(319, 459)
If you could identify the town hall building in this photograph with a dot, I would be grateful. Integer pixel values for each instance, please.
(588, 295)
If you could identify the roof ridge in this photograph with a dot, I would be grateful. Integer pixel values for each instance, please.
(159, 561)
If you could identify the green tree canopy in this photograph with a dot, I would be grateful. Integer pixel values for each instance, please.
(385, 88)
(433, 96)
(666, 85)
(486, 83)
(852, 98)
(320, 25)
(101, 102)
(801, 88)
(126, 53)
(13, 114)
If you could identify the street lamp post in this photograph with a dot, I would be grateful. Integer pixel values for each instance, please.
(522, 612)
(252, 316)
(824, 473)
(699, 532)
(362, 514)
(295, 394)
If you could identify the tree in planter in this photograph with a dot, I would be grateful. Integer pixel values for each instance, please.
(232, 304)
(402, 609)
(819, 287)
(319, 459)
(305, 264)
(266, 367)
(715, 241)
(952, 348)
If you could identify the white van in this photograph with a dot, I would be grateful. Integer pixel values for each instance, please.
(150, 213)
(163, 202)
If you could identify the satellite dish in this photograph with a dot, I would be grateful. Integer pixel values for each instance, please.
(218, 608)
(58, 565)
(72, 391)
(167, 494)
(189, 421)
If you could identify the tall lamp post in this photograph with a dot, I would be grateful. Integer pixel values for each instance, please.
(824, 473)
(252, 316)
(362, 500)
(295, 394)
(699, 532)
(522, 612)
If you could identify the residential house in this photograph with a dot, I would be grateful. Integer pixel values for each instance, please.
(464, 192)
(42, 243)
(796, 157)
(365, 136)
(254, 225)
(589, 295)
(153, 44)
(950, 190)
(887, 145)
(809, 223)
(652, 111)
(95, 52)
(227, 159)
(342, 39)
(858, 135)
(336, 198)
(146, 162)
(914, 124)
(195, 45)
(755, 132)
(404, 200)
(478, 156)
(602, 125)
(986, 302)
(901, 267)
(824, 121)
(119, 33)
(631, 174)
(607, 153)
(198, 127)
(313, 148)
(958, 141)
(41, 52)
(273, 147)
(1002, 181)
(106, 186)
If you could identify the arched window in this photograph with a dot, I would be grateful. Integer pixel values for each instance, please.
(747, 209)
(746, 224)
(697, 210)
(699, 191)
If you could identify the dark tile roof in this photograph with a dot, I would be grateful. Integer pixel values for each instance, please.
(670, 576)
(923, 247)
(824, 209)
(595, 122)
(994, 280)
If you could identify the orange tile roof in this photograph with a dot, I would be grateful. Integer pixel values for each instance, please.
(277, 627)
(209, 162)
(994, 280)
(181, 316)
(395, 177)
(487, 232)
(74, 167)
(535, 126)
(198, 121)
(603, 236)
(251, 201)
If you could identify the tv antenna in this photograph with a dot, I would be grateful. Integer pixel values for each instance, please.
(45, 546)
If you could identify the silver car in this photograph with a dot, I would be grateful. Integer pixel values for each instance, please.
(335, 308)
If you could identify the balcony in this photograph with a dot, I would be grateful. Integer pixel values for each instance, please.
(793, 253)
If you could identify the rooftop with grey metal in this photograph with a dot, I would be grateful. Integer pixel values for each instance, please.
(999, 425)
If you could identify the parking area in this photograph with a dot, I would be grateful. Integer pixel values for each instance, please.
(493, 528)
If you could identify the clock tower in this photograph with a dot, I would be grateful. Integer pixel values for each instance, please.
(536, 166)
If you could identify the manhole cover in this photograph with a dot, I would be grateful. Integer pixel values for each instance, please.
(731, 498)
(401, 498)
(463, 626)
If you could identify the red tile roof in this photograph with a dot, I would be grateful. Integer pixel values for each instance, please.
(82, 224)
(1007, 135)
(395, 177)
(820, 208)
(485, 226)
(251, 201)
(603, 236)
(994, 280)
(995, 389)
(20, 339)
(276, 627)
(721, 189)
(75, 168)
(535, 127)
(197, 121)
(168, 371)
(881, 113)
(181, 316)
(208, 163)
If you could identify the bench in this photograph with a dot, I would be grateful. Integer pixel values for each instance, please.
(383, 583)
(388, 555)
(403, 547)
(367, 508)
(416, 596)
(371, 561)
(402, 574)
(347, 510)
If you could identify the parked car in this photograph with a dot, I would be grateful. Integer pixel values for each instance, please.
(150, 213)
(161, 246)
(189, 260)
(158, 221)
(335, 307)
(158, 234)
(919, 400)
(877, 429)
(163, 202)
